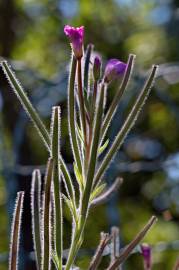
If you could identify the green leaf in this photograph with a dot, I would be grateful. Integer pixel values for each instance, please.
(80, 134)
(103, 147)
(15, 232)
(27, 105)
(36, 215)
(128, 124)
(70, 205)
(72, 113)
(97, 191)
(79, 177)
(55, 259)
(118, 96)
(87, 65)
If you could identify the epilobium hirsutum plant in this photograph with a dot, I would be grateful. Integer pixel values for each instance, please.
(88, 125)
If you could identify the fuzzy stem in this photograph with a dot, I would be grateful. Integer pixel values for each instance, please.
(79, 228)
(58, 211)
(86, 67)
(81, 102)
(128, 124)
(46, 217)
(36, 215)
(71, 114)
(93, 153)
(15, 232)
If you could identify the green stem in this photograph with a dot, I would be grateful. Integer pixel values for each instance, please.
(71, 114)
(79, 228)
(58, 212)
(86, 67)
(93, 153)
(15, 232)
(81, 103)
(46, 218)
(36, 216)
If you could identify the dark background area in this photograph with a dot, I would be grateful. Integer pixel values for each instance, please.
(32, 40)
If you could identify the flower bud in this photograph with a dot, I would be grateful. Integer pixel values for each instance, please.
(114, 70)
(146, 253)
(97, 68)
(76, 37)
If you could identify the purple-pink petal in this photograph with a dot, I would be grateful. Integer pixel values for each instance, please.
(114, 69)
(146, 253)
(76, 37)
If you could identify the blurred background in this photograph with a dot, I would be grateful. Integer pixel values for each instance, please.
(32, 40)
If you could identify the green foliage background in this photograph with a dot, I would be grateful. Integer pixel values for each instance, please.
(31, 34)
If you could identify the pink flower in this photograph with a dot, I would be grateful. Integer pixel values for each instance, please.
(76, 37)
(146, 253)
(114, 70)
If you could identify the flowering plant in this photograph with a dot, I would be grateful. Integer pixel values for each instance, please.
(88, 125)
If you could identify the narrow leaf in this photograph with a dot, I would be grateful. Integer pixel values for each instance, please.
(93, 153)
(103, 147)
(55, 259)
(87, 66)
(22, 96)
(79, 177)
(58, 212)
(46, 258)
(118, 95)
(36, 216)
(71, 113)
(15, 232)
(128, 124)
(70, 205)
(97, 191)
(109, 192)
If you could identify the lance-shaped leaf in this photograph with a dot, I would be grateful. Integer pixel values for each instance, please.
(108, 193)
(81, 102)
(27, 105)
(58, 212)
(71, 113)
(46, 257)
(15, 232)
(127, 251)
(87, 65)
(22, 96)
(36, 216)
(128, 124)
(93, 153)
(105, 239)
(118, 95)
